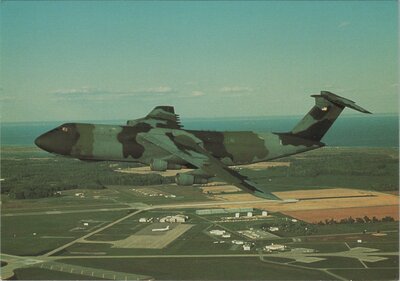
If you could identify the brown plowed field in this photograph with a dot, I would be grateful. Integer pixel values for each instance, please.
(209, 188)
(314, 216)
(321, 204)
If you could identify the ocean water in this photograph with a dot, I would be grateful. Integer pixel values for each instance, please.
(365, 130)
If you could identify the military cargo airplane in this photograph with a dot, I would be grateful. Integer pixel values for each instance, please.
(160, 141)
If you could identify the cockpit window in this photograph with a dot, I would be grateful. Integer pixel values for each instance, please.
(64, 129)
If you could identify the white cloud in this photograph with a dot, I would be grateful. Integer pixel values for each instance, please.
(159, 90)
(343, 24)
(87, 93)
(8, 98)
(79, 91)
(235, 89)
(191, 83)
(197, 94)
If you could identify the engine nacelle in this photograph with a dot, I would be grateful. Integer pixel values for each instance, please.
(188, 179)
(162, 165)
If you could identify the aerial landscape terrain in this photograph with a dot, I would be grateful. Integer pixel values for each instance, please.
(199, 140)
(66, 219)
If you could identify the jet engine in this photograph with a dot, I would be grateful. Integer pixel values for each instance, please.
(162, 165)
(188, 179)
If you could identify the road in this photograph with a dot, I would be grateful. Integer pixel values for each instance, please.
(81, 239)
(163, 206)
(15, 262)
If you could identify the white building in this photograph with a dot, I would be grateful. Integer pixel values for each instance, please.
(142, 220)
(237, 242)
(249, 214)
(264, 213)
(274, 247)
(176, 218)
(217, 232)
(226, 235)
(273, 228)
(246, 247)
(237, 215)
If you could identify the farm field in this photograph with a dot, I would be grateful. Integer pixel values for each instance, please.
(204, 268)
(342, 213)
(50, 234)
(33, 235)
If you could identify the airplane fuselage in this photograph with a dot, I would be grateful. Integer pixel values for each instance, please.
(126, 143)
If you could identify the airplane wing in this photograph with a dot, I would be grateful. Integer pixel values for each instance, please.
(162, 116)
(190, 150)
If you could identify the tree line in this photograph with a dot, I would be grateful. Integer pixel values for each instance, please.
(29, 179)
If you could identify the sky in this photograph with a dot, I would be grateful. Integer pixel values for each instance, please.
(106, 60)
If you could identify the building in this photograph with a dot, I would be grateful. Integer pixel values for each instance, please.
(217, 232)
(176, 218)
(273, 228)
(249, 214)
(246, 247)
(274, 247)
(237, 215)
(237, 242)
(226, 235)
(142, 220)
(223, 211)
(264, 213)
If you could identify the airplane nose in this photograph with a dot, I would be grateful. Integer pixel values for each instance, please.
(43, 142)
(39, 142)
(59, 140)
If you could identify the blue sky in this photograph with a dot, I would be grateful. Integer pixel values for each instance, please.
(117, 60)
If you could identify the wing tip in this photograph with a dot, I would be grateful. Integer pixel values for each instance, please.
(267, 195)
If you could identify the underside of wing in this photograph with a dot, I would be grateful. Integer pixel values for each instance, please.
(188, 148)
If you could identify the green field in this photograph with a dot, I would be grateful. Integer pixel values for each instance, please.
(368, 274)
(33, 273)
(204, 268)
(52, 231)
(30, 229)
(366, 168)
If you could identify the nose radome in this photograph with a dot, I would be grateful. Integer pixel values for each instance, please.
(38, 142)
(43, 142)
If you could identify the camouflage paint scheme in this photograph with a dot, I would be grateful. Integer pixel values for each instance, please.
(160, 141)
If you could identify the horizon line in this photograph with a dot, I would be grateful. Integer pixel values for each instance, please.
(351, 115)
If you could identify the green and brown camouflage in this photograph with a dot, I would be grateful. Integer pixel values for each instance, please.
(160, 141)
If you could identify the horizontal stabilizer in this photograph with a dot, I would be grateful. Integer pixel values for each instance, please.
(342, 101)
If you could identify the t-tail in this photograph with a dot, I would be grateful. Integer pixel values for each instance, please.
(320, 118)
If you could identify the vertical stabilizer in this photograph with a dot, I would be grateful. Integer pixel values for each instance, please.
(320, 118)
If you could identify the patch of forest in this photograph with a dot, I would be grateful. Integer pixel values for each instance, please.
(37, 178)
(376, 169)
(28, 174)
